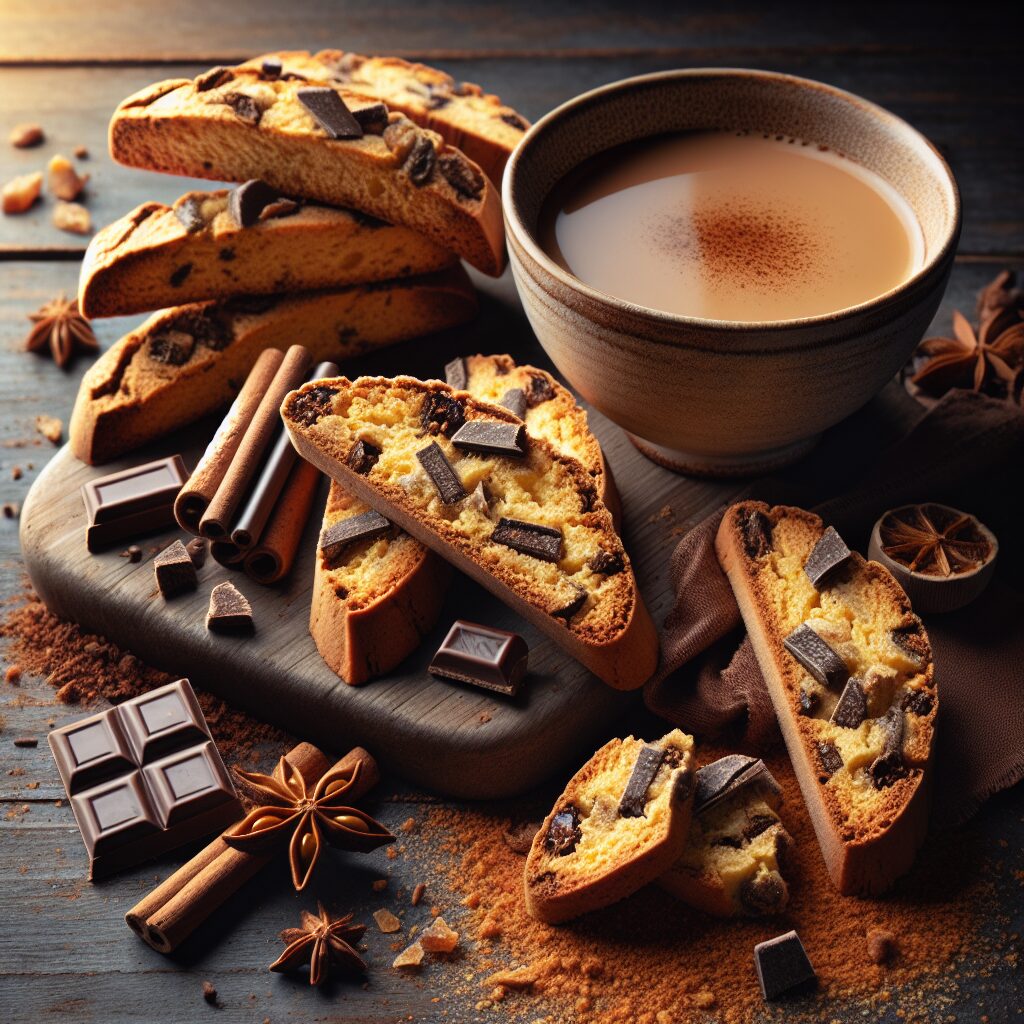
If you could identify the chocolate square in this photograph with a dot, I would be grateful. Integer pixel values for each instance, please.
(829, 554)
(816, 656)
(783, 967)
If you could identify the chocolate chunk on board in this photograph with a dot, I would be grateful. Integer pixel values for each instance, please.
(491, 437)
(197, 549)
(328, 109)
(175, 571)
(816, 656)
(721, 778)
(442, 473)
(365, 526)
(852, 708)
(247, 202)
(529, 539)
(783, 967)
(634, 796)
(455, 374)
(515, 401)
(482, 656)
(564, 832)
(827, 555)
(230, 611)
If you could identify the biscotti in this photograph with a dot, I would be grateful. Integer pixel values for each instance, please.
(374, 597)
(464, 478)
(320, 142)
(186, 362)
(196, 250)
(737, 846)
(479, 124)
(620, 823)
(849, 669)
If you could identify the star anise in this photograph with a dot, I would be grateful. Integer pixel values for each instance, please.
(1000, 294)
(60, 327)
(321, 942)
(933, 540)
(289, 813)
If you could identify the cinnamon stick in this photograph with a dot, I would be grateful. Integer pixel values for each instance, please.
(176, 907)
(194, 498)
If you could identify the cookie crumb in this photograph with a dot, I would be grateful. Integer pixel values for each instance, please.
(13, 674)
(439, 938)
(412, 956)
(26, 741)
(24, 136)
(881, 945)
(417, 894)
(16, 473)
(386, 921)
(50, 427)
(379, 885)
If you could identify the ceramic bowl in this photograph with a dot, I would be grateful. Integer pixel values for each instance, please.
(712, 396)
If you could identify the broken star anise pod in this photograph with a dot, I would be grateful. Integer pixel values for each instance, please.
(62, 329)
(322, 942)
(933, 540)
(289, 813)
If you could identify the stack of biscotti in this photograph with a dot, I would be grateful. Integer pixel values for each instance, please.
(345, 231)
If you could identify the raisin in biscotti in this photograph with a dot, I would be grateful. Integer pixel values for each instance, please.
(196, 250)
(849, 669)
(619, 824)
(235, 125)
(187, 362)
(523, 520)
(479, 124)
(737, 846)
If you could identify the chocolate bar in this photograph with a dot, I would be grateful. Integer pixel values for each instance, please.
(634, 796)
(816, 656)
(442, 473)
(366, 526)
(482, 656)
(455, 374)
(529, 539)
(783, 967)
(721, 778)
(491, 437)
(827, 555)
(852, 708)
(132, 502)
(329, 111)
(143, 778)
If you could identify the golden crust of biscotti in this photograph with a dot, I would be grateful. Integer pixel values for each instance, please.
(613, 855)
(478, 123)
(868, 834)
(587, 601)
(373, 606)
(187, 362)
(149, 259)
(236, 124)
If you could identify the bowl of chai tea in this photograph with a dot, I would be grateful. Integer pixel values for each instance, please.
(727, 262)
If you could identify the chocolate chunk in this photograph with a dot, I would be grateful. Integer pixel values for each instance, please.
(373, 119)
(911, 641)
(365, 526)
(206, 326)
(816, 656)
(309, 407)
(782, 966)
(723, 777)
(455, 374)
(173, 348)
(827, 555)
(196, 549)
(918, 702)
(245, 107)
(514, 120)
(830, 758)
(282, 207)
(229, 611)
(538, 390)
(888, 766)
(362, 457)
(328, 109)
(467, 181)
(175, 571)
(634, 796)
(763, 895)
(852, 708)
(574, 604)
(246, 203)
(757, 825)
(213, 78)
(482, 656)
(731, 841)
(180, 275)
(479, 499)
(529, 538)
(756, 530)
(515, 401)
(607, 563)
(563, 832)
(419, 164)
(442, 473)
(491, 437)
(249, 305)
(272, 67)
(442, 413)
(808, 702)
(133, 553)
(190, 215)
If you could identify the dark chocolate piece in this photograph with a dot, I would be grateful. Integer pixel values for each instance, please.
(132, 502)
(827, 555)
(365, 526)
(888, 766)
(608, 563)
(563, 832)
(372, 119)
(464, 178)
(196, 549)
(910, 640)
(808, 702)
(783, 967)
(442, 473)
(309, 407)
(329, 111)
(246, 203)
(362, 457)
(757, 825)
(538, 390)
(917, 701)
(455, 374)
(482, 656)
(272, 67)
(816, 656)
(442, 414)
(189, 214)
(133, 553)
(830, 758)
(419, 164)
(180, 275)
(763, 895)
(574, 604)
(514, 120)
(852, 708)
(245, 107)
(175, 570)
(756, 530)
(171, 347)
(723, 777)
(515, 401)
(229, 611)
(491, 437)
(143, 778)
(213, 78)
(634, 796)
(529, 539)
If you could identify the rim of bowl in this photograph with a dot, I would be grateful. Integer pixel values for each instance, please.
(592, 96)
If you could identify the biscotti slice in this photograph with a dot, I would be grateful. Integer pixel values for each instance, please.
(317, 141)
(737, 846)
(195, 250)
(620, 823)
(478, 123)
(376, 593)
(849, 669)
(464, 478)
(186, 362)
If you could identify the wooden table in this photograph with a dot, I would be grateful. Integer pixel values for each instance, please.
(64, 951)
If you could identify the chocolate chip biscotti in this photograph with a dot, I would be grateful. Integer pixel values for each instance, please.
(249, 241)
(465, 479)
(479, 124)
(321, 142)
(849, 669)
(620, 823)
(186, 362)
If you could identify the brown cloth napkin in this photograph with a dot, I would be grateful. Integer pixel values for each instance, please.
(967, 452)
